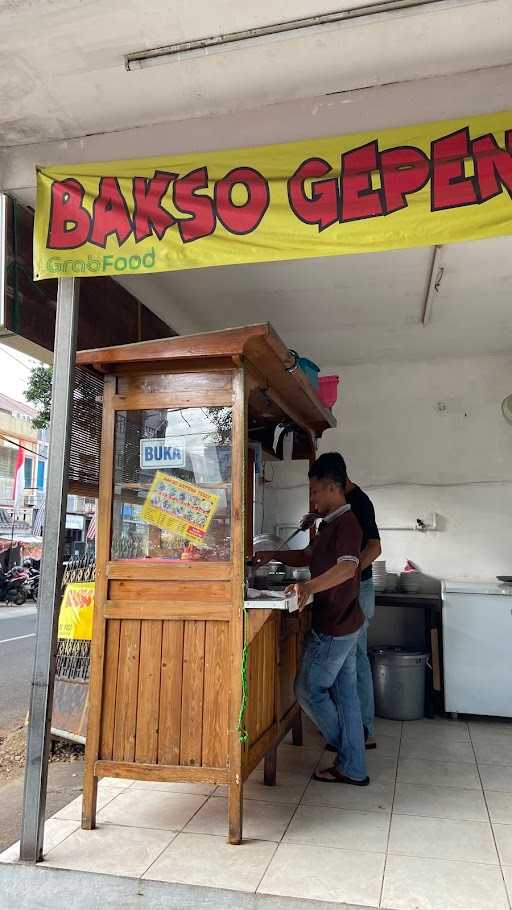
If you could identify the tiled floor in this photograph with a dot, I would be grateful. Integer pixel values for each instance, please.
(433, 831)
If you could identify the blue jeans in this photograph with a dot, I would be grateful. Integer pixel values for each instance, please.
(364, 670)
(326, 690)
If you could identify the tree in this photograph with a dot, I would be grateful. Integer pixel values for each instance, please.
(39, 393)
(221, 419)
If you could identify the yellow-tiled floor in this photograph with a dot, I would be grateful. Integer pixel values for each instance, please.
(433, 831)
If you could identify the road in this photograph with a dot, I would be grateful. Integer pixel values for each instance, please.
(17, 638)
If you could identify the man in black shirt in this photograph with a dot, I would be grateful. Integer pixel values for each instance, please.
(363, 509)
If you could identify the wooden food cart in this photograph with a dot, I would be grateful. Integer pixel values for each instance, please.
(175, 656)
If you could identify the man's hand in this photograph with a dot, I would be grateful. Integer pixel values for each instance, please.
(303, 591)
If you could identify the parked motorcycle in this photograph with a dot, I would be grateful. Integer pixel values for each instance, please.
(31, 586)
(12, 586)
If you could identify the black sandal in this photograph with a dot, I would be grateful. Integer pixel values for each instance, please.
(336, 777)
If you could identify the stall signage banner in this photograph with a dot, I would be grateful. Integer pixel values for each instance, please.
(180, 507)
(76, 611)
(161, 453)
(434, 183)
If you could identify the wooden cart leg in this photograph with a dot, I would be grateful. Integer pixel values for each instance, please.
(297, 735)
(236, 807)
(270, 768)
(90, 799)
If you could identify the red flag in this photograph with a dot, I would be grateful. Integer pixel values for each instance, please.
(91, 530)
(18, 492)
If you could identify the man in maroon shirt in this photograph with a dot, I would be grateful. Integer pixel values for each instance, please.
(326, 684)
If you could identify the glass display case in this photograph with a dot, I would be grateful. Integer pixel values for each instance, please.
(186, 683)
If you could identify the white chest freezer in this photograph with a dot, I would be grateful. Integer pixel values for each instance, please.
(477, 646)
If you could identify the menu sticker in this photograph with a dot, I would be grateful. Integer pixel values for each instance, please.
(180, 507)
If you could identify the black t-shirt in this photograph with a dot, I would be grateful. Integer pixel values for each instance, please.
(362, 508)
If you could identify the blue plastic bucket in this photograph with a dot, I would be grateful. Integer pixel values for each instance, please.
(310, 369)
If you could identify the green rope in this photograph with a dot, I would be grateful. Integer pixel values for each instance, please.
(240, 727)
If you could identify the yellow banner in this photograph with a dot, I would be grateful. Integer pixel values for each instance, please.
(76, 611)
(180, 507)
(415, 186)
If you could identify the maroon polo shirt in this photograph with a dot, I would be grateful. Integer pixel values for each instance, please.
(337, 611)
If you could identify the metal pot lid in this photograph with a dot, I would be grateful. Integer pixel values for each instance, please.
(267, 542)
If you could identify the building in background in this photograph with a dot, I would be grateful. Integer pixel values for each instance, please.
(16, 430)
(80, 527)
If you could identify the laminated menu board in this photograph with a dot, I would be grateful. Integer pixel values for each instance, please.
(180, 507)
(76, 611)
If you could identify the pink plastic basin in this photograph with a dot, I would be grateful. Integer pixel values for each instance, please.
(328, 390)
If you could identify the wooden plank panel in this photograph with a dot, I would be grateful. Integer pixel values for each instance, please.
(213, 592)
(150, 383)
(262, 672)
(192, 693)
(170, 773)
(216, 701)
(171, 681)
(147, 570)
(267, 676)
(109, 688)
(250, 720)
(259, 682)
(177, 365)
(115, 609)
(254, 700)
(270, 674)
(148, 705)
(127, 691)
(138, 401)
(255, 620)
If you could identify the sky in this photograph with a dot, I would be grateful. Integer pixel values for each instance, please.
(14, 372)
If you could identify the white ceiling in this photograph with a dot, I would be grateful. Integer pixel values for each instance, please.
(62, 76)
(62, 72)
(353, 309)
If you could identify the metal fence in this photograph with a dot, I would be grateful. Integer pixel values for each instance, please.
(74, 656)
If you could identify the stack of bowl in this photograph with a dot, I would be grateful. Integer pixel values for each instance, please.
(410, 582)
(391, 582)
(379, 575)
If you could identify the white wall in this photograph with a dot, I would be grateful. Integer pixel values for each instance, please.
(417, 100)
(421, 438)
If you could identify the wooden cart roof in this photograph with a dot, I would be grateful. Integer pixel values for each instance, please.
(260, 345)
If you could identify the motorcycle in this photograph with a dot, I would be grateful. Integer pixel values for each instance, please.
(31, 586)
(12, 586)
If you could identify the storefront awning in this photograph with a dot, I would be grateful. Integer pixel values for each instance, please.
(420, 185)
